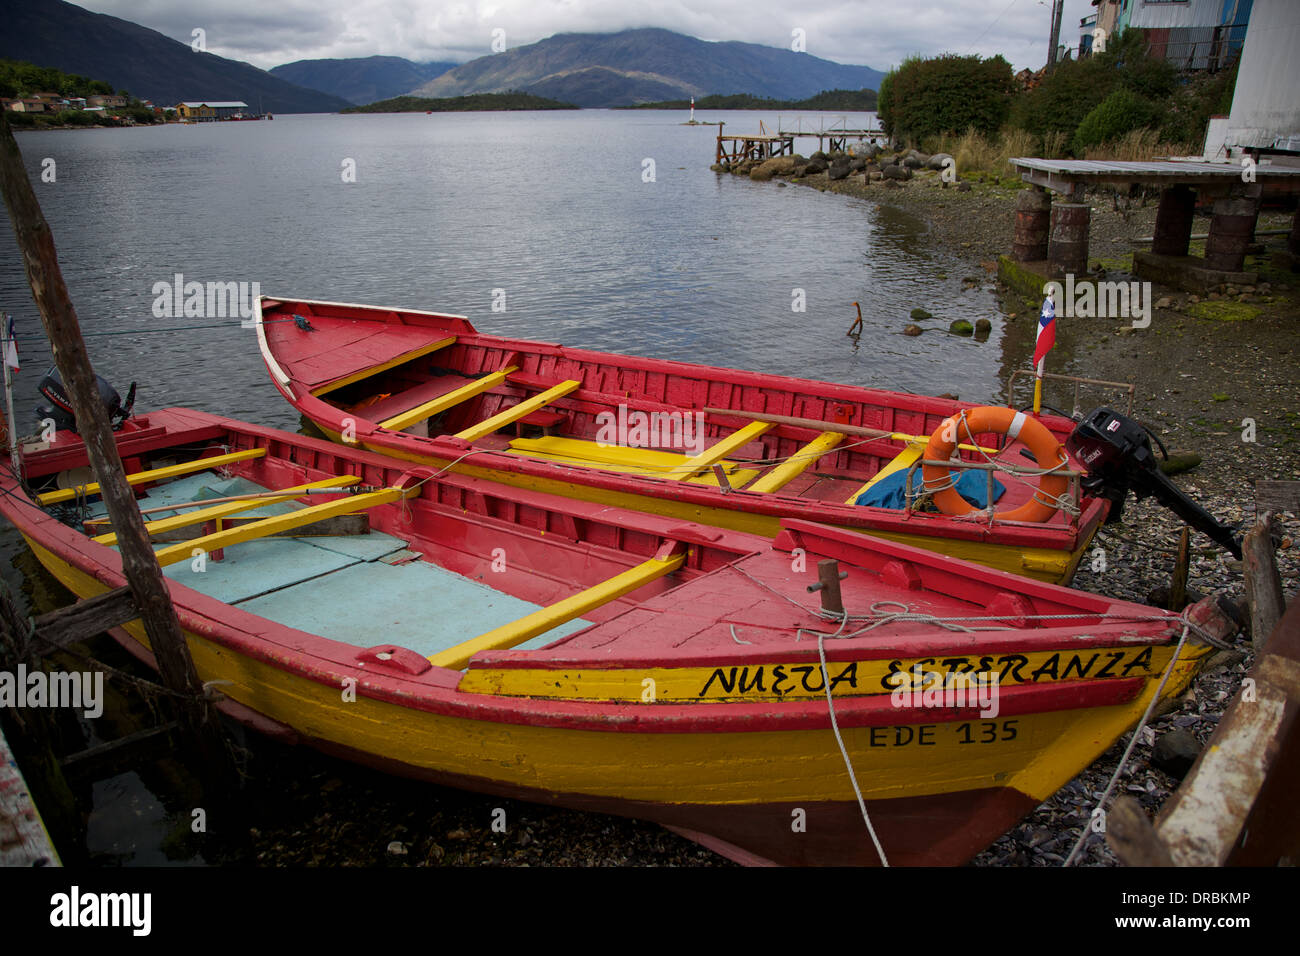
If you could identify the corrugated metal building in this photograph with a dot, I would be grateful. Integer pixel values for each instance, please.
(1192, 34)
(1266, 103)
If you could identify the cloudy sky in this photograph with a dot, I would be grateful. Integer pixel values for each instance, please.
(876, 33)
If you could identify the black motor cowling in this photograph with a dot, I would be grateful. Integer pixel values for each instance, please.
(60, 407)
(1117, 455)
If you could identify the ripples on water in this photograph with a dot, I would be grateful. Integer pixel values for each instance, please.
(552, 208)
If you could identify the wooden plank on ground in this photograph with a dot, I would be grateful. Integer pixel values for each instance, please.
(1277, 496)
(154, 474)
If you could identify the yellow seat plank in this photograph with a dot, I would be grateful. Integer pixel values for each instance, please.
(191, 518)
(711, 456)
(737, 477)
(372, 370)
(648, 460)
(443, 402)
(903, 460)
(278, 523)
(153, 474)
(546, 618)
(797, 463)
(526, 407)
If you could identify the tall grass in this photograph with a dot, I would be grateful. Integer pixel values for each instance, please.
(976, 154)
(1140, 145)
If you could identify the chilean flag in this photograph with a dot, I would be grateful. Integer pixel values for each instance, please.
(1046, 337)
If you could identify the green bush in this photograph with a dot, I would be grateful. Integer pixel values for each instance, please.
(75, 118)
(1114, 116)
(945, 94)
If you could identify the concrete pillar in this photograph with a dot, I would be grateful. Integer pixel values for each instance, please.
(1067, 247)
(1231, 230)
(1174, 221)
(1033, 221)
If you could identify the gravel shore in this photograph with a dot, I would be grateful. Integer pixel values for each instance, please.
(1201, 384)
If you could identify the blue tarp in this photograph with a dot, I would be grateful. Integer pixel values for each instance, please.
(889, 491)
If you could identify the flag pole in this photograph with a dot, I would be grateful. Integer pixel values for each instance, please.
(14, 455)
(1038, 387)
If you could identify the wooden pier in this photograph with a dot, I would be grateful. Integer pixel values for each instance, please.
(832, 140)
(24, 840)
(735, 149)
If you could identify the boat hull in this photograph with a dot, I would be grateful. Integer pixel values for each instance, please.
(1046, 552)
(761, 778)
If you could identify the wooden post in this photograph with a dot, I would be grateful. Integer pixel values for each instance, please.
(1178, 586)
(1263, 583)
(36, 243)
(828, 582)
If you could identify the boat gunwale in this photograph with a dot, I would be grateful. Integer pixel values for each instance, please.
(327, 661)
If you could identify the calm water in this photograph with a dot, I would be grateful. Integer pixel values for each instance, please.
(552, 208)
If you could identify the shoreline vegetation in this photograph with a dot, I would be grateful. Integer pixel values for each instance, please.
(475, 102)
(854, 101)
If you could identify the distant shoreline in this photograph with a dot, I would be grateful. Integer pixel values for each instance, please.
(476, 102)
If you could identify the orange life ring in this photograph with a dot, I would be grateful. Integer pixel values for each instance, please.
(987, 419)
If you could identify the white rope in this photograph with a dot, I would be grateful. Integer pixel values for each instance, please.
(844, 752)
(1137, 732)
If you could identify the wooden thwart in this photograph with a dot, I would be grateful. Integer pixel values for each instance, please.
(165, 526)
(798, 463)
(721, 450)
(443, 402)
(153, 474)
(278, 523)
(526, 407)
(547, 618)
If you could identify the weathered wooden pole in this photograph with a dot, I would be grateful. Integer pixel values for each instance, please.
(145, 577)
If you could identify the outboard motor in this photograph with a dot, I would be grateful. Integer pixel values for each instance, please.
(60, 407)
(1117, 454)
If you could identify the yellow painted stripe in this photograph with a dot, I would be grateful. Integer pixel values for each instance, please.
(1046, 751)
(191, 518)
(798, 463)
(546, 618)
(153, 474)
(276, 524)
(526, 407)
(370, 370)
(793, 680)
(443, 402)
(721, 450)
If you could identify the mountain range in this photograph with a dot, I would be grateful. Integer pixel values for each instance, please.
(646, 65)
(142, 61)
(587, 69)
(361, 80)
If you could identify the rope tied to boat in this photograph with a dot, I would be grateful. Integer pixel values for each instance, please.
(844, 751)
(1188, 627)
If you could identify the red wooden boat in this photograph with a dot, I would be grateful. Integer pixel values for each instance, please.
(502, 640)
(726, 448)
